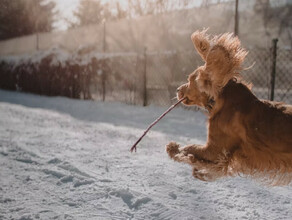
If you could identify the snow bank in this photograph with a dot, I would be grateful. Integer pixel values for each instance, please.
(82, 56)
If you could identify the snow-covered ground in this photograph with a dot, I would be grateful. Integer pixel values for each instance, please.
(69, 159)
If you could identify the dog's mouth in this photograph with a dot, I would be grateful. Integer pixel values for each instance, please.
(186, 100)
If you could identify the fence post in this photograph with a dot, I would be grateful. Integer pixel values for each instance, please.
(236, 19)
(103, 76)
(104, 35)
(37, 41)
(273, 72)
(145, 78)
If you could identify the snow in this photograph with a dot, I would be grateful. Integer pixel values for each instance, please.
(70, 159)
(82, 56)
(60, 56)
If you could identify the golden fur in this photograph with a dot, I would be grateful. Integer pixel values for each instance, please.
(246, 136)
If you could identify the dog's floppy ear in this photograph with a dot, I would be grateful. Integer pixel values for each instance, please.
(201, 42)
(223, 56)
(224, 60)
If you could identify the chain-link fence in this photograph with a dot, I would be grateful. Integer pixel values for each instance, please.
(271, 74)
(140, 79)
(123, 80)
(259, 74)
(152, 77)
(283, 76)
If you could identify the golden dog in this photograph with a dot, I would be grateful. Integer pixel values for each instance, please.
(246, 136)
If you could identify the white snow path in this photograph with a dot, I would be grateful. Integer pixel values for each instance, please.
(69, 159)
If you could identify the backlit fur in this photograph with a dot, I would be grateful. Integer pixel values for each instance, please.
(246, 136)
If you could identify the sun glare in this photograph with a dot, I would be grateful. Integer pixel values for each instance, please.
(66, 9)
(123, 3)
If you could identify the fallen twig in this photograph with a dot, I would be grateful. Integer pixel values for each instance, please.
(134, 147)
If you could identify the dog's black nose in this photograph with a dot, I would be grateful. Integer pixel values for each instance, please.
(178, 89)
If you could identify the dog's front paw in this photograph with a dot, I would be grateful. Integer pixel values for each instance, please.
(172, 149)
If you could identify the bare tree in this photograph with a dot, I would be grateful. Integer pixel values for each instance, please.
(146, 7)
(24, 17)
(282, 16)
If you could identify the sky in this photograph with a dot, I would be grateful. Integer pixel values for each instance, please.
(66, 8)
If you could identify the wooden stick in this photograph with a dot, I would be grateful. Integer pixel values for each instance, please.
(134, 147)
